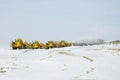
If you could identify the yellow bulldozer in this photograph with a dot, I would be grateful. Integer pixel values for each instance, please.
(57, 44)
(35, 45)
(17, 44)
(43, 46)
(50, 44)
(27, 45)
(62, 43)
(68, 43)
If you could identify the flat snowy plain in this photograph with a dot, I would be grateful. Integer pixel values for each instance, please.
(98, 62)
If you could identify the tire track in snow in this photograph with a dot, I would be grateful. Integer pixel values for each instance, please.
(82, 75)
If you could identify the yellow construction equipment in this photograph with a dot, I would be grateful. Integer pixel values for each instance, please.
(50, 44)
(57, 44)
(17, 44)
(68, 43)
(43, 46)
(27, 45)
(62, 43)
(12, 45)
(35, 44)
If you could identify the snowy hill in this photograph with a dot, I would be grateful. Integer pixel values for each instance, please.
(99, 62)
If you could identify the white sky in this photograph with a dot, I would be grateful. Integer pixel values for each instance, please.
(59, 19)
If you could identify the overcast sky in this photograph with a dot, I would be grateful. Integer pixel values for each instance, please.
(59, 19)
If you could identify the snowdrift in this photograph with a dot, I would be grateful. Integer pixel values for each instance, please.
(99, 62)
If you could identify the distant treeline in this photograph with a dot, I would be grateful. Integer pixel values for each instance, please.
(88, 42)
(115, 42)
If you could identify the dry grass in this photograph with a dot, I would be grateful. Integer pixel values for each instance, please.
(88, 58)
(2, 70)
(27, 50)
(66, 53)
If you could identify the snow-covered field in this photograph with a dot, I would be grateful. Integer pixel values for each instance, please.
(98, 62)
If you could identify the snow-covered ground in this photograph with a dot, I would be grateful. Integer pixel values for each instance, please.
(98, 62)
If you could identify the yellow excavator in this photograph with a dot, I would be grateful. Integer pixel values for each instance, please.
(17, 44)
